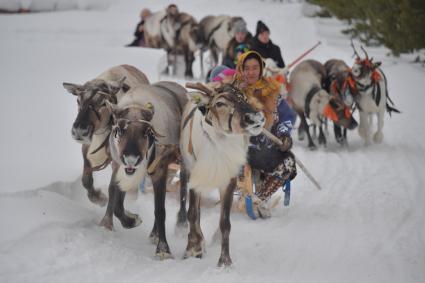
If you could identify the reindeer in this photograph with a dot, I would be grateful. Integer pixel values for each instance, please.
(187, 40)
(311, 101)
(144, 140)
(176, 32)
(159, 28)
(339, 83)
(214, 142)
(373, 98)
(216, 32)
(92, 125)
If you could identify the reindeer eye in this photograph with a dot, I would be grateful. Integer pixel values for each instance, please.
(220, 104)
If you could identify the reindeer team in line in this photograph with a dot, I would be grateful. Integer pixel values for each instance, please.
(214, 132)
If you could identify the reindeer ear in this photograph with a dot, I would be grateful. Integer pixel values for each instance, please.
(72, 88)
(115, 86)
(199, 98)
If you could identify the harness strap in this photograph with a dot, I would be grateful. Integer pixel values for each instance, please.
(230, 119)
(190, 145)
(188, 117)
(103, 144)
(308, 99)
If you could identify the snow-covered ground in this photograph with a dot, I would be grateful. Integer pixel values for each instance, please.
(366, 225)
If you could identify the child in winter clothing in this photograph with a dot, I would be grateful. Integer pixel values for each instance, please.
(275, 163)
(240, 42)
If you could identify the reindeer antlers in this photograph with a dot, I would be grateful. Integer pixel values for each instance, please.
(357, 54)
(201, 87)
(354, 49)
(367, 56)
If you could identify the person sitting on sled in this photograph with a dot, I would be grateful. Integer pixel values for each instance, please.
(275, 164)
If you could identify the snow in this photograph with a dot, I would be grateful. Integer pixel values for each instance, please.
(366, 225)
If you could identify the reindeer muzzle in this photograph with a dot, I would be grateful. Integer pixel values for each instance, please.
(131, 163)
(82, 134)
(255, 122)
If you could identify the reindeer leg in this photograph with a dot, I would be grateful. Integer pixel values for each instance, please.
(188, 59)
(379, 136)
(304, 124)
(345, 136)
(182, 214)
(364, 128)
(302, 127)
(226, 206)
(195, 238)
(95, 196)
(159, 180)
(128, 219)
(154, 236)
(107, 220)
(201, 59)
(338, 134)
(322, 138)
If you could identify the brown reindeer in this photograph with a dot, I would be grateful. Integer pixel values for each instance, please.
(214, 144)
(339, 83)
(93, 122)
(144, 140)
(187, 40)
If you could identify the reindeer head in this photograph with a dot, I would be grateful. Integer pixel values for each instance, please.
(93, 114)
(364, 70)
(344, 88)
(132, 135)
(228, 110)
(339, 113)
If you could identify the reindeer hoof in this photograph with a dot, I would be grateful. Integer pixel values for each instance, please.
(312, 146)
(98, 197)
(107, 223)
(163, 251)
(164, 255)
(130, 220)
(224, 261)
(193, 253)
(378, 137)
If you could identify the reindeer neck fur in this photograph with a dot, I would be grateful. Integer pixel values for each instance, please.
(218, 156)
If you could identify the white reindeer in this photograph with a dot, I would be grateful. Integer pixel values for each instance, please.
(214, 144)
(373, 98)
